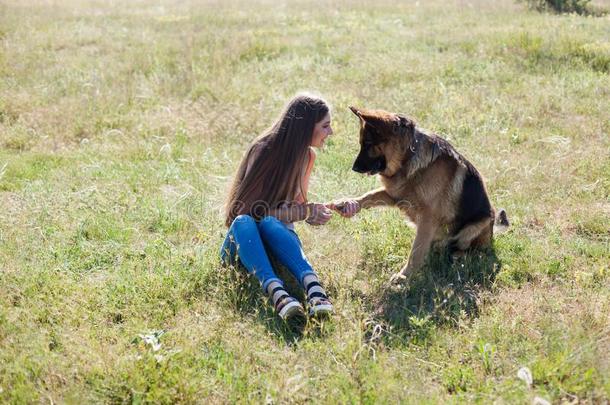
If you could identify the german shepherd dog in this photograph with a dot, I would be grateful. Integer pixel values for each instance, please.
(428, 180)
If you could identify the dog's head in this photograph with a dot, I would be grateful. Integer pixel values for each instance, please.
(386, 141)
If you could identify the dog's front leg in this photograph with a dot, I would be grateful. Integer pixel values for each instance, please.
(375, 198)
(419, 251)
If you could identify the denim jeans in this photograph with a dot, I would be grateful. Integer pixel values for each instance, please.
(251, 242)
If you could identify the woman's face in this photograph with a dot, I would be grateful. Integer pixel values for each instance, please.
(321, 131)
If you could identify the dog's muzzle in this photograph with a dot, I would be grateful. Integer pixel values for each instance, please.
(358, 168)
(374, 167)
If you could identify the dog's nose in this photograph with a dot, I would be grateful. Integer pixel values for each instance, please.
(357, 168)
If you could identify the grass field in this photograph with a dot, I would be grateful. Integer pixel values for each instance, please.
(122, 123)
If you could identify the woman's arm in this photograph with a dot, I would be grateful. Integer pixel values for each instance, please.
(290, 213)
(312, 213)
(299, 210)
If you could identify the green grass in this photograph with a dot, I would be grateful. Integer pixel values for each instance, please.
(121, 126)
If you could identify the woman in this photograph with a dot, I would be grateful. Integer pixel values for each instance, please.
(269, 194)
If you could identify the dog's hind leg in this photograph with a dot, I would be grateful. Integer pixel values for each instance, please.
(478, 233)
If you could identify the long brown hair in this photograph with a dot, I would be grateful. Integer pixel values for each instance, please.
(279, 154)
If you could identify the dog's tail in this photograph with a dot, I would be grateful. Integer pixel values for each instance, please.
(501, 223)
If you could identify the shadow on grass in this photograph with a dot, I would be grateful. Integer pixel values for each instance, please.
(443, 292)
(246, 296)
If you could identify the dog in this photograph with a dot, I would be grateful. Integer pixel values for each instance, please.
(423, 175)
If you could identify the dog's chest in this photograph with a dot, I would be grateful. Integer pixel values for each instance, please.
(405, 193)
(401, 188)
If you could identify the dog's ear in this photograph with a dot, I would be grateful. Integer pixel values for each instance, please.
(356, 111)
(403, 124)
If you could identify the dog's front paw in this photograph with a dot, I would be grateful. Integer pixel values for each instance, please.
(398, 278)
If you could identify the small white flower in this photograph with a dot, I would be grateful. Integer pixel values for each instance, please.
(166, 149)
(525, 375)
(152, 339)
(540, 401)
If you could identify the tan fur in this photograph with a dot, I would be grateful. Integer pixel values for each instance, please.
(424, 177)
(471, 232)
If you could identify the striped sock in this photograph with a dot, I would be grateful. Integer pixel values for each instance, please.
(276, 292)
(287, 307)
(315, 292)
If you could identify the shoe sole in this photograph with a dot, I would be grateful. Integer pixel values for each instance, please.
(292, 310)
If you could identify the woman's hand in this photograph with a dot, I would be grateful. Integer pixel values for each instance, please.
(319, 214)
(346, 208)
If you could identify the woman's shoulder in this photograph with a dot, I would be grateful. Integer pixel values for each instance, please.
(256, 150)
(311, 156)
(258, 147)
(312, 153)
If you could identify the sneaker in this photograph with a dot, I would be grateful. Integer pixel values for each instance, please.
(288, 308)
(320, 307)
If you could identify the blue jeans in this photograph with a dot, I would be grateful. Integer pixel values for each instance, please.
(250, 241)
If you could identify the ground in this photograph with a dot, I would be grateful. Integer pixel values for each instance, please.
(122, 124)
